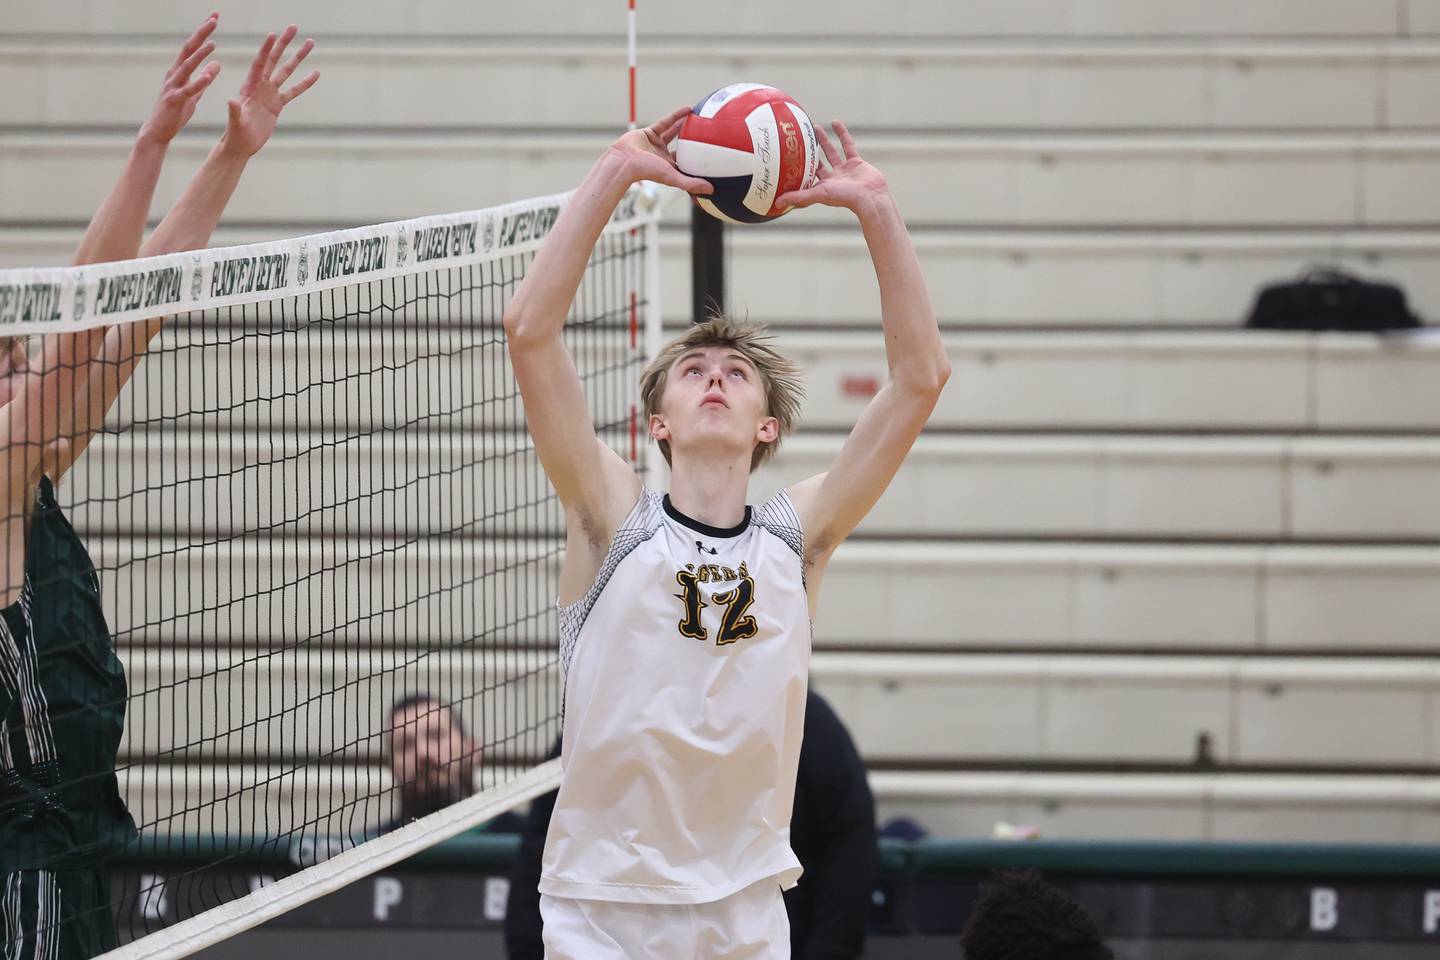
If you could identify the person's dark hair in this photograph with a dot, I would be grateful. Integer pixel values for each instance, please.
(1021, 917)
(417, 699)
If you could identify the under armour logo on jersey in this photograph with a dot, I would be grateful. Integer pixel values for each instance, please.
(701, 547)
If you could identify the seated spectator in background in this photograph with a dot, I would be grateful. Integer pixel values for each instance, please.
(433, 762)
(1021, 917)
(832, 833)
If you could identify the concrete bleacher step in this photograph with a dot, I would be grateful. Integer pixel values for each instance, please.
(344, 799)
(1142, 380)
(1019, 277)
(1058, 18)
(415, 483)
(1147, 486)
(348, 380)
(948, 178)
(896, 595)
(991, 277)
(1151, 597)
(293, 703)
(263, 705)
(1290, 712)
(1199, 806)
(906, 83)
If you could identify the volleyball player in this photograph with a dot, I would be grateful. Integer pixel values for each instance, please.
(62, 688)
(685, 617)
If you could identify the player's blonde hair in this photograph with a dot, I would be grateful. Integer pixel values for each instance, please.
(784, 390)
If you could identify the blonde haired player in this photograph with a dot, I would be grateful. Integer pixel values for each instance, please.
(685, 618)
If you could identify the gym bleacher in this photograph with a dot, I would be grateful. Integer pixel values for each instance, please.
(1148, 574)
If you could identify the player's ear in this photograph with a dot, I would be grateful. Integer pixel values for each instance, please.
(768, 431)
(658, 428)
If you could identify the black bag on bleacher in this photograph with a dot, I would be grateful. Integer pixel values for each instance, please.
(1330, 299)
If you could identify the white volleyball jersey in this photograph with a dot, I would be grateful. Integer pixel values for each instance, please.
(686, 667)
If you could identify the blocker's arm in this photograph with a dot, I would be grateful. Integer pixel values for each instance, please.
(253, 115)
(41, 420)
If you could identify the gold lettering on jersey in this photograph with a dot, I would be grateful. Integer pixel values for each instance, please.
(736, 623)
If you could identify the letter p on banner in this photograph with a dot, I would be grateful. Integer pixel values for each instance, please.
(388, 892)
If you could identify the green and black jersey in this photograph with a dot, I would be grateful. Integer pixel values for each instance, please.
(62, 711)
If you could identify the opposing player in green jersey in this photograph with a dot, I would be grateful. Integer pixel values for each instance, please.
(62, 687)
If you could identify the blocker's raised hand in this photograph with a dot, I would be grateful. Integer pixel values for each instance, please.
(256, 108)
(647, 154)
(183, 87)
(848, 181)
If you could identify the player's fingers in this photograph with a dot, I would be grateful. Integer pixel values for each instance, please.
(800, 198)
(674, 178)
(300, 87)
(665, 122)
(846, 141)
(188, 65)
(278, 50)
(828, 147)
(197, 86)
(207, 27)
(293, 62)
(672, 131)
(257, 66)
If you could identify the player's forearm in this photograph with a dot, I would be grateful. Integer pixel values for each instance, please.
(116, 229)
(45, 408)
(187, 226)
(541, 303)
(124, 345)
(913, 347)
(193, 219)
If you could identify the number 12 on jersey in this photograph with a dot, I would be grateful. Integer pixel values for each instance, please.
(736, 624)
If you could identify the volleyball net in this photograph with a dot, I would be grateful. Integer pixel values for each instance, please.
(315, 500)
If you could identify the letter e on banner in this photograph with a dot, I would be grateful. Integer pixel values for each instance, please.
(388, 892)
(1324, 908)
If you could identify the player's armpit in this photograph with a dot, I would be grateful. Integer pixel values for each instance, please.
(589, 532)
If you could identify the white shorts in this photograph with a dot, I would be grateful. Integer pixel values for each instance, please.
(749, 925)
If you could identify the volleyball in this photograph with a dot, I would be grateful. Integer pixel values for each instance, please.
(754, 143)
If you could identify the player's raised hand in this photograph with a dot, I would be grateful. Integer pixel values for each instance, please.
(255, 110)
(183, 85)
(848, 181)
(647, 154)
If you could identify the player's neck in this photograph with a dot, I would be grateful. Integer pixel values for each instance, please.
(713, 494)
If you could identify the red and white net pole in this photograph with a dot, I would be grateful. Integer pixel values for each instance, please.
(630, 35)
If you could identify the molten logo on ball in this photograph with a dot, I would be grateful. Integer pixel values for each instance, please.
(753, 143)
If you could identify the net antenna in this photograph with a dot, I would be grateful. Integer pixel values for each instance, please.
(314, 498)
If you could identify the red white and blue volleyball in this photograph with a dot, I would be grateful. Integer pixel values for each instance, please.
(753, 143)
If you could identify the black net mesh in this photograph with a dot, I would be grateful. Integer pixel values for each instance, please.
(299, 514)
